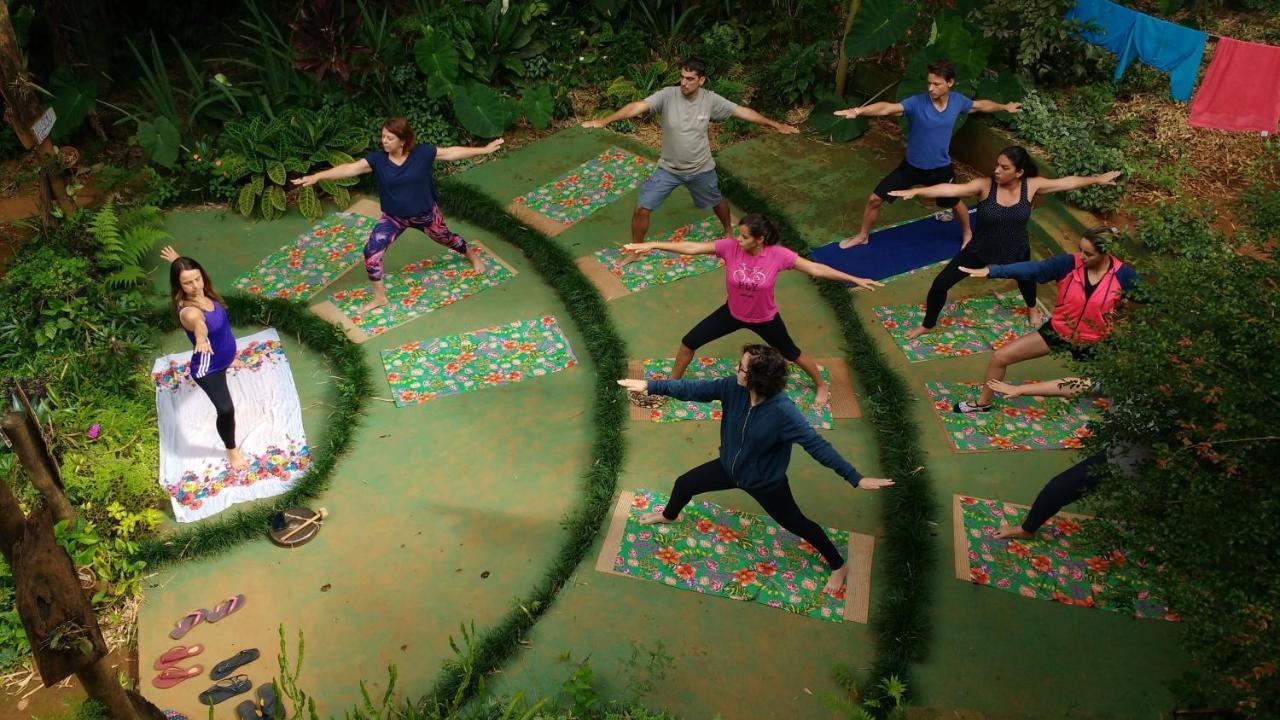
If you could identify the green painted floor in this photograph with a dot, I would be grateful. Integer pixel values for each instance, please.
(440, 515)
(434, 496)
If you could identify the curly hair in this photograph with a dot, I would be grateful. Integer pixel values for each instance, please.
(766, 370)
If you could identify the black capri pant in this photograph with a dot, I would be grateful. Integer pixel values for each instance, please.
(722, 322)
(1065, 488)
(215, 386)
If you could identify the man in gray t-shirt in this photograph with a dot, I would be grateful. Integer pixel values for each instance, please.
(687, 109)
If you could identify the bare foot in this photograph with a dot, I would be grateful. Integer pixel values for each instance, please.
(477, 263)
(836, 581)
(653, 517)
(917, 332)
(1004, 388)
(1010, 532)
(822, 396)
(371, 305)
(237, 459)
(859, 239)
(1034, 317)
(626, 258)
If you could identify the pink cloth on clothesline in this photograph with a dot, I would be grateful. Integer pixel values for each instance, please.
(1241, 89)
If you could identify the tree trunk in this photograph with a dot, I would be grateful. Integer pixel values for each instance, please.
(100, 684)
(842, 65)
(11, 522)
(23, 108)
(28, 444)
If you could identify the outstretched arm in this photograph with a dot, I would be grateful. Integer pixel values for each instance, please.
(690, 390)
(945, 190)
(879, 109)
(826, 272)
(990, 106)
(1071, 182)
(680, 248)
(626, 112)
(751, 116)
(1041, 271)
(346, 170)
(193, 320)
(459, 152)
(797, 430)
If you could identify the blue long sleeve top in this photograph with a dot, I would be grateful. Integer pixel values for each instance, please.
(1054, 269)
(755, 442)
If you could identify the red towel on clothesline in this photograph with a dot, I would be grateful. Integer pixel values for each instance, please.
(1241, 90)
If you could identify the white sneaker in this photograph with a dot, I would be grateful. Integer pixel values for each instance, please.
(944, 215)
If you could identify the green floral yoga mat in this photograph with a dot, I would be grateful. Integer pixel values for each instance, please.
(799, 388)
(417, 289)
(1021, 423)
(430, 369)
(583, 190)
(659, 268)
(966, 327)
(1061, 563)
(730, 553)
(318, 257)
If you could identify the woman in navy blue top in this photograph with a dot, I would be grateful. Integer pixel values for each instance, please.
(199, 309)
(759, 426)
(407, 193)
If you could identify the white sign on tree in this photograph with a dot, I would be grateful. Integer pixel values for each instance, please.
(40, 128)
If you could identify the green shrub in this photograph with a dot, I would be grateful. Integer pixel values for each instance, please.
(1177, 230)
(792, 77)
(722, 50)
(262, 151)
(1031, 36)
(1194, 388)
(1261, 203)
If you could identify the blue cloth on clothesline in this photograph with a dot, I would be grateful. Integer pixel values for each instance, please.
(1161, 44)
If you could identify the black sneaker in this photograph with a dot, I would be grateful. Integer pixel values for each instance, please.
(968, 408)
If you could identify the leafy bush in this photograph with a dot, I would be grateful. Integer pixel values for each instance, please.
(1177, 230)
(1076, 144)
(722, 50)
(265, 150)
(123, 240)
(1195, 386)
(1031, 36)
(792, 77)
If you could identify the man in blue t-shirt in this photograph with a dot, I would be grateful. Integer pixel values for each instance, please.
(931, 116)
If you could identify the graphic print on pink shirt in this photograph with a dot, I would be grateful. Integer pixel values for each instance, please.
(749, 279)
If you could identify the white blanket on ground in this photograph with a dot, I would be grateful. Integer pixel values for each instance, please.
(193, 461)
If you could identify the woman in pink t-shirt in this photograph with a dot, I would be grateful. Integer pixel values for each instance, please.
(752, 261)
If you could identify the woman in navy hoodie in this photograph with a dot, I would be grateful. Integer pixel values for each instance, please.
(759, 426)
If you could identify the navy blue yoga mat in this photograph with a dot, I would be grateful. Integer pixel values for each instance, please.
(895, 250)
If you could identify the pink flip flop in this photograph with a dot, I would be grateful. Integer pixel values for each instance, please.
(188, 621)
(175, 655)
(224, 608)
(174, 675)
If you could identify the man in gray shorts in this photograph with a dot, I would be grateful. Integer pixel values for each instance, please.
(686, 160)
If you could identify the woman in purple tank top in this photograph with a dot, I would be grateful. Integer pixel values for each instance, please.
(199, 309)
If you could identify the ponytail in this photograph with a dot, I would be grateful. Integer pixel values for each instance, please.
(759, 226)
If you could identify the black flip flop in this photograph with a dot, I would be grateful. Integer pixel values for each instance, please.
(247, 711)
(269, 702)
(228, 666)
(225, 690)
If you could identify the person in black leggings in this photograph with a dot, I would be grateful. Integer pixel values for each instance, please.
(199, 309)
(1063, 489)
(759, 427)
(1004, 208)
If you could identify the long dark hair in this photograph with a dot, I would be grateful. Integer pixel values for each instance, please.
(1021, 160)
(176, 294)
(766, 370)
(759, 226)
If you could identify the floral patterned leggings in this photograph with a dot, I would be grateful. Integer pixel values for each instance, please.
(390, 227)
(777, 501)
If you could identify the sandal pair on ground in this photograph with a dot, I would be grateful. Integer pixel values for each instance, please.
(267, 706)
(171, 674)
(195, 617)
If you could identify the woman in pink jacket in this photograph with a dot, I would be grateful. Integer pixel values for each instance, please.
(1090, 283)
